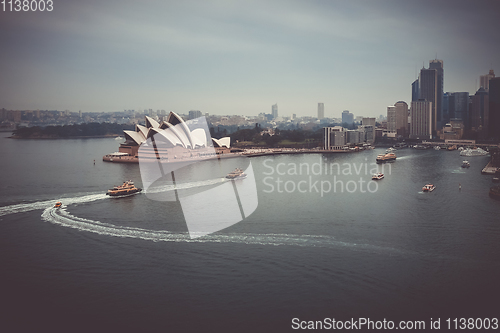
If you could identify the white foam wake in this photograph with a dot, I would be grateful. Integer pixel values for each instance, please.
(21, 208)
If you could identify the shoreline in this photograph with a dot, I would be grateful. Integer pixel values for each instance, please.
(65, 137)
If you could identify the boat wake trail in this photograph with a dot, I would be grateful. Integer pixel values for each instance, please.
(94, 196)
(63, 218)
(21, 208)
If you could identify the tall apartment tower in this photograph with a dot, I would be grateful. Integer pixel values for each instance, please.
(274, 111)
(428, 90)
(421, 119)
(321, 110)
(485, 80)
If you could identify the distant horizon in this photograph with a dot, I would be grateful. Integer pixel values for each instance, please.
(236, 58)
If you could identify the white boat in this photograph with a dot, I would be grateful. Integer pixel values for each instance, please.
(437, 148)
(473, 152)
(378, 176)
(390, 150)
(236, 174)
(119, 138)
(428, 188)
(465, 164)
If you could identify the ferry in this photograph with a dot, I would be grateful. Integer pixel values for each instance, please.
(128, 188)
(428, 188)
(382, 158)
(236, 174)
(378, 176)
(465, 164)
(58, 204)
(473, 152)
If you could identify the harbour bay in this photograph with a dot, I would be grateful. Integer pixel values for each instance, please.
(394, 253)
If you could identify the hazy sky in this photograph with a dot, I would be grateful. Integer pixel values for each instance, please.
(232, 57)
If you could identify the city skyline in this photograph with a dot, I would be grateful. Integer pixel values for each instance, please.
(237, 58)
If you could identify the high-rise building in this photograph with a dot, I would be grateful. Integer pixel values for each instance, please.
(193, 114)
(401, 118)
(421, 119)
(428, 88)
(479, 113)
(347, 117)
(368, 121)
(391, 119)
(415, 91)
(438, 66)
(274, 111)
(460, 108)
(484, 80)
(494, 109)
(321, 111)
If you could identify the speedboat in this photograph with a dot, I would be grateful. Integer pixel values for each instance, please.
(236, 174)
(128, 188)
(378, 176)
(465, 164)
(428, 188)
(58, 204)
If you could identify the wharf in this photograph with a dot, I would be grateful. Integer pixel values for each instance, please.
(489, 170)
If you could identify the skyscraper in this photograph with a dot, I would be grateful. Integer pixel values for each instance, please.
(421, 119)
(428, 88)
(415, 91)
(494, 109)
(274, 111)
(479, 113)
(391, 118)
(321, 110)
(485, 80)
(438, 66)
(401, 118)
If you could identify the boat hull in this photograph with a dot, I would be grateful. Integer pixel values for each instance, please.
(124, 193)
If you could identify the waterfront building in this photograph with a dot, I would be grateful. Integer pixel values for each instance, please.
(355, 136)
(368, 133)
(334, 137)
(274, 111)
(494, 109)
(421, 123)
(484, 80)
(321, 111)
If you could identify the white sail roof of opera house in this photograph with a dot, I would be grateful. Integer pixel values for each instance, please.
(174, 131)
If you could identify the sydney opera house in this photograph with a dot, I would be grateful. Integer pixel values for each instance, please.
(172, 139)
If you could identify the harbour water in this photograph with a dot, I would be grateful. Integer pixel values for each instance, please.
(381, 250)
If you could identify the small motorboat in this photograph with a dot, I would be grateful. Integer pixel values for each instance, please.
(58, 204)
(128, 188)
(428, 188)
(465, 164)
(378, 176)
(236, 174)
(495, 179)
